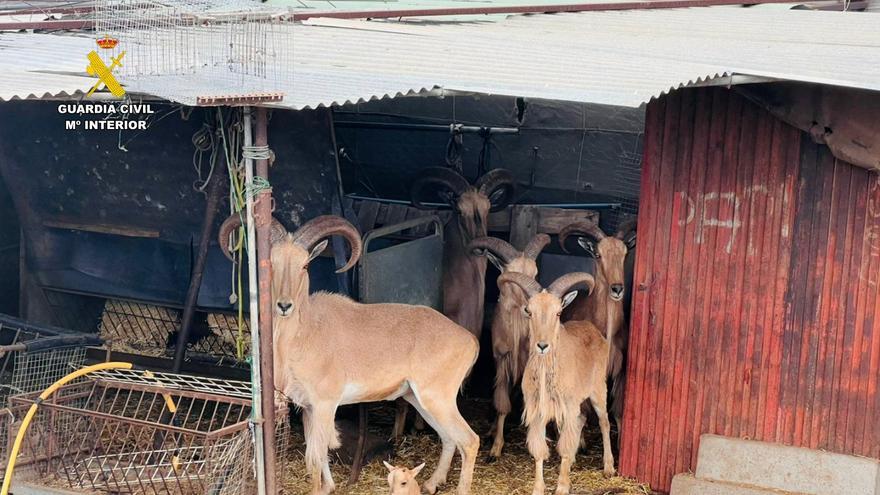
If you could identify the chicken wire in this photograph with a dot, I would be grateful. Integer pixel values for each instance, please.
(128, 431)
(191, 51)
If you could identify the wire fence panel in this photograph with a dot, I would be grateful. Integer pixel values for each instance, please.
(127, 431)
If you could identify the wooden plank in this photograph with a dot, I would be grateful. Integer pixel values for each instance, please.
(523, 225)
(396, 214)
(103, 228)
(633, 437)
(366, 215)
(550, 220)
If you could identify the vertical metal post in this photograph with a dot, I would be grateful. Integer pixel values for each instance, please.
(263, 221)
(253, 299)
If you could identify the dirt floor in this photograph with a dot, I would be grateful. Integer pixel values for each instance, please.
(512, 474)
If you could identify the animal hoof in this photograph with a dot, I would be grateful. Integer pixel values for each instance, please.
(491, 458)
(609, 472)
(562, 490)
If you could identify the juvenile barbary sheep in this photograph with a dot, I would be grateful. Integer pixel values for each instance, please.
(510, 327)
(332, 351)
(566, 367)
(402, 481)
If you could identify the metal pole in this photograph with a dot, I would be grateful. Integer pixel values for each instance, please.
(253, 300)
(263, 220)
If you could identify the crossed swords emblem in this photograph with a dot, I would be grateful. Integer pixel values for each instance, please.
(99, 69)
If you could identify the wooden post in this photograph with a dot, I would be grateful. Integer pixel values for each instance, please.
(263, 222)
(524, 222)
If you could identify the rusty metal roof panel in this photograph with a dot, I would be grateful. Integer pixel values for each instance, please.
(620, 58)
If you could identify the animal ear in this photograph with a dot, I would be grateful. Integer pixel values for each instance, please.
(318, 249)
(388, 466)
(568, 298)
(588, 246)
(498, 262)
(498, 197)
(450, 198)
(416, 470)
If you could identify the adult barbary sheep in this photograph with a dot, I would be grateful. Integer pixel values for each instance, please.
(332, 351)
(605, 308)
(510, 328)
(464, 275)
(566, 367)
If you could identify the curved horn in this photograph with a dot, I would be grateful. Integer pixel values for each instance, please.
(226, 228)
(494, 180)
(583, 228)
(526, 283)
(565, 283)
(499, 247)
(324, 226)
(625, 228)
(536, 245)
(234, 222)
(445, 177)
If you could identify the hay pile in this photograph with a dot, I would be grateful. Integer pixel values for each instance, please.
(511, 475)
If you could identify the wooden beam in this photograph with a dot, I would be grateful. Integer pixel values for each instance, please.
(550, 220)
(103, 228)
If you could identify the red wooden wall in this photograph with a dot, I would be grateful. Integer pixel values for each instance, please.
(756, 289)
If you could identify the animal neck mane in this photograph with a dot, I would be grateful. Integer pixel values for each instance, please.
(609, 312)
(542, 371)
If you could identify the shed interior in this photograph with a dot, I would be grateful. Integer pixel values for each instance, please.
(109, 226)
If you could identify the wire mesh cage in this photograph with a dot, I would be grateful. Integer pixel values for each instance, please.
(134, 432)
(191, 51)
(33, 357)
(151, 330)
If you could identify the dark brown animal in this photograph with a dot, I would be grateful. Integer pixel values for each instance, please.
(464, 275)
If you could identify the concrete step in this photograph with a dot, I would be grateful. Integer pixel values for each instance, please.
(686, 484)
(779, 467)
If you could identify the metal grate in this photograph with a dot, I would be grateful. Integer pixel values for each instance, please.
(151, 330)
(143, 433)
(33, 358)
(625, 189)
(196, 51)
(138, 328)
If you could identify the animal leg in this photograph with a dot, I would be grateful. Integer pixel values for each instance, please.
(320, 435)
(501, 400)
(599, 405)
(537, 443)
(569, 437)
(443, 416)
(617, 394)
(448, 447)
(399, 419)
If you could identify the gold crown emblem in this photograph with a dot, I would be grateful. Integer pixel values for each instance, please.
(107, 43)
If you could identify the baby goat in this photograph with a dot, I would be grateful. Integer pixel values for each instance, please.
(402, 480)
(566, 367)
(509, 325)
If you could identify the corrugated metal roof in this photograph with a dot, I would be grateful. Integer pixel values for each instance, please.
(619, 58)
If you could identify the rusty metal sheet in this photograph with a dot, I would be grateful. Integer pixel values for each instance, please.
(756, 291)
